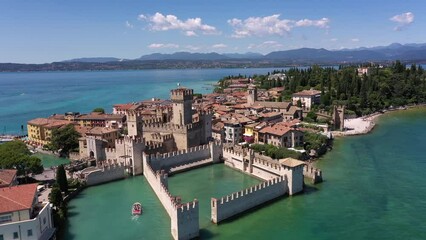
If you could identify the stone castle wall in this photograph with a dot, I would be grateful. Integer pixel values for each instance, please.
(238, 202)
(312, 173)
(264, 169)
(167, 161)
(105, 174)
(184, 217)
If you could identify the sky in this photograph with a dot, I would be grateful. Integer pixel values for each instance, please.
(42, 31)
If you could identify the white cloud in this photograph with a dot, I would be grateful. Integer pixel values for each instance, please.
(190, 34)
(160, 22)
(128, 24)
(163, 45)
(192, 48)
(271, 25)
(402, 20)
(266, 45)
(220, 45)
(321, 23)
(334, 39)
(355, 40)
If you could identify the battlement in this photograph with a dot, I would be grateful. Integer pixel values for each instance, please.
(161, 137)
(166, 156)
(181, 94)
(250, 190)
(238, 202)
(163, 127)
(150, 145)
(112, 166)
(268, 164)
(129, 140)
(314, 174)
(205, 112)
(133, 113)
(232, 152)
(189, 206)
(152, 120)
(111, 150)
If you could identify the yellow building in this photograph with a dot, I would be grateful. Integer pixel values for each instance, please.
(40, 129)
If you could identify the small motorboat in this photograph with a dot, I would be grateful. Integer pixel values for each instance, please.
(136, 209)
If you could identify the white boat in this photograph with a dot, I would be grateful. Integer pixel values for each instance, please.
(136, 209)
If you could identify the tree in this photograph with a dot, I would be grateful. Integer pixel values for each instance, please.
(65, 139)
(61, 178)
(312, 115)
(15, 154)
(55, 196)
(99, 110)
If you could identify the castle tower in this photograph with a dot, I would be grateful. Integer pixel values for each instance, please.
(251, 96)
(130, 151)
(182, 105)
(95, 148)
(338, 118)
(206, 126)
(134, 123)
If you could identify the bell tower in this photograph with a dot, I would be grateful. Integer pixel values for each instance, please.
(251, 95)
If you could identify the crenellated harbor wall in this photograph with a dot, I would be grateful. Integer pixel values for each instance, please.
(312, 173)
(184, 217)
(264, 169)
(171, 160)
(238, 202)
(105, 174)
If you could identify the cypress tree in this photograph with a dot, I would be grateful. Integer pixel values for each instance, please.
(61, 178)
(55, 196)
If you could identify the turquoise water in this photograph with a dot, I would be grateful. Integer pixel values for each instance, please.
(375, 188)
(50, 160)
(375, 184)
(24, 96)
(103, 212)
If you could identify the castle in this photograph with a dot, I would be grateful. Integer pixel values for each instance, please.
(152, 135)
(156, 149)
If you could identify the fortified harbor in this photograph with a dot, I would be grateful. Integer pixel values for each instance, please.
(134, 154)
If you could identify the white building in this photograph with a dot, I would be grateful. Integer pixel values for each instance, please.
(307, 98)
(233, 132)
(22, 216)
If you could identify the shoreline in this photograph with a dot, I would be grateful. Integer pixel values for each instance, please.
(365, 124)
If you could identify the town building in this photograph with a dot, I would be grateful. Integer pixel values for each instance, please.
(233, 132)
(8, 178)
(307, 98)
(281, 136)
(40, 129)
(218, 130)
(22, 216)
(97, 119)
(363, 70)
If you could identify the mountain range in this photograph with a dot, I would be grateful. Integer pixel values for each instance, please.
(395, 51)
(407, 53)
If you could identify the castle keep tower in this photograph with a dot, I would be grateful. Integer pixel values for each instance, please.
(182, 106)
(134, 123)
(251, 96)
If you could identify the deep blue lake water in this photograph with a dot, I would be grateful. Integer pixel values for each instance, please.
(24, 96)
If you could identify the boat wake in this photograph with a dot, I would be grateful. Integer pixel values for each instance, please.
(135, 218)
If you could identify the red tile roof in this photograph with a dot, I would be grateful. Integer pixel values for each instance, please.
(48, 122)
(7, 176)
(307, 93)
(17, 198)
(275, 130)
